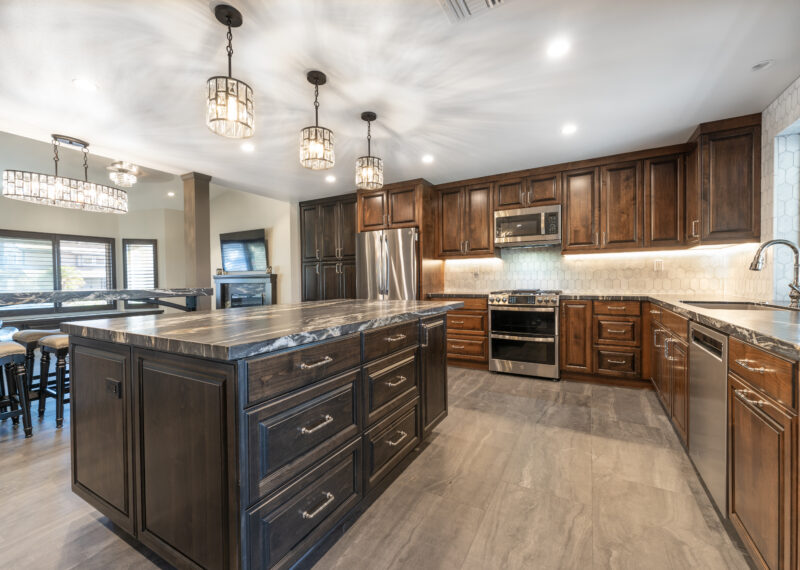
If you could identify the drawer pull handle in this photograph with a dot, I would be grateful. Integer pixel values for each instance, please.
(317, 364)
(329, 498)
(395, 338)
(397, 441)
(655, 312)
(457, 322)
(326, 419)
(743, 394)
(616, 308)
(618, 361)
(458, 346)
(745, 364)
(616, 331)
(400, 380)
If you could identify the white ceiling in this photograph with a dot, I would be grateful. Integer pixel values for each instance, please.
(481, 96)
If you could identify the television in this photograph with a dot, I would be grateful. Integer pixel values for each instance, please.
(244, 251)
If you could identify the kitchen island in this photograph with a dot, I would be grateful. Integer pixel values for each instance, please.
(250, 438)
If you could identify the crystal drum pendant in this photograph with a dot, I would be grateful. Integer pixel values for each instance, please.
(316, 143)
(63, 192)
(229, 104)
(369, 169)
(123, 173)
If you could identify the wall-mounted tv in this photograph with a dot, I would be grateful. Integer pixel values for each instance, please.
(244, 251)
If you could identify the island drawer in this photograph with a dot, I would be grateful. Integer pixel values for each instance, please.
(291, 433)
(617, 308)
(769, 373)
(625, 331)
(467, 323)
(386, 444)
(275, 375)
(388, 382)
(617, 361)
(284, 527)
(385, 340)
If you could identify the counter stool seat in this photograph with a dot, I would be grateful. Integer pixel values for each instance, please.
(58, 345)
(12, 359)
(32, 335)
(29, 338)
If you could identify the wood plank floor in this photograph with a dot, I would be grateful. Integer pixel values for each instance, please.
(522, 474)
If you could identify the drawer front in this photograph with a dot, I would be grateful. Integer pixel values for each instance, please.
(283, 528)
(383, 341)
(769, 373)
(467, 348)
(617, 308)
(623, 331)
(468, 323)
(275, 375)
(389, 382)
(655, 312)
(617, 361)
(677, 324)
(386, 444)
(470, 303)
(286, 436)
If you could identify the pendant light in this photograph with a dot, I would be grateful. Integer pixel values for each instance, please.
(369, 169)
(229, 108)
(123, 174)
(316, 143)
(63, 192)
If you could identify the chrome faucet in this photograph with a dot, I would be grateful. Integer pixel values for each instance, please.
(794, 287)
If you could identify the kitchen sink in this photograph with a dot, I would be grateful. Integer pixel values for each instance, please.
(736, 306)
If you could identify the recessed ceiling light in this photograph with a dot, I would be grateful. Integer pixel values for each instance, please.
(559, 47)
(171, 194)
(248, 147)
(569, 129)
(427, 159)
(85, 84)
(330, 179)
(762, 65)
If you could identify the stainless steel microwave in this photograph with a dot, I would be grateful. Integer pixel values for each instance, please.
(522, 227)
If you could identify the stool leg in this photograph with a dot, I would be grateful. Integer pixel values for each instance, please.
(44, 374)
(22, 388)
(29, 350)
(12, 390)
(61, 374)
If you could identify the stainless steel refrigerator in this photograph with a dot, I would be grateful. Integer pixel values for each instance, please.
(387, 265)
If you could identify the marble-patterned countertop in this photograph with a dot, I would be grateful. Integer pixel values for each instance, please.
(450, 295)
(26, 298)
(232, 334)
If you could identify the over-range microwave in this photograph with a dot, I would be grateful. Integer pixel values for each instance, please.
(540, 225)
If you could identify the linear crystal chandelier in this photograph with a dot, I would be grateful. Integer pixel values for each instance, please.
(63, 192)
(316, 143)
(369, 169)
(229, 104)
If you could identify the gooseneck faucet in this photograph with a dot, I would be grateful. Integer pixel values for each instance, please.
(794, 287)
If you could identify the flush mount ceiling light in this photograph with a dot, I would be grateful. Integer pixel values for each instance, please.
(171, 194)
(330, 179)
(369, 169)
(229, 107)
(559, 47)
(427, 158)
(761, 65)
(316, 143)
(569, 129)
(85, 84)
(248, 147)
(55, 190)
(123, 173)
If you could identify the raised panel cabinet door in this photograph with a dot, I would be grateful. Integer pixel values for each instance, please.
(731, 185)
(664, 372)
(678, 365)
(433, 357)
(510, 194)
(663, 201)
(311, 281)
(544, 189)
(329, 281)
(347, 275)
(449, 234)
(347, 229)
(621, 205)
(692, 227)
(402, 207)
(579, 214)
(329, 230)
(309, 217)
(576, 336)
(478, 219)
(761, 443)
(657, 356)
(373, 210)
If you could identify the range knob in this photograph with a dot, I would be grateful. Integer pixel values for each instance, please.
(505, 299)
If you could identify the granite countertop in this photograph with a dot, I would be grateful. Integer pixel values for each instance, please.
(26, 298)
(232, 334)
(450, 295)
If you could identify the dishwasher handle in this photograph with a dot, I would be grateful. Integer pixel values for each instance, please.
(711, 345)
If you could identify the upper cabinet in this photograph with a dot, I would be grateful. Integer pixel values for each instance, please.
(621, 208)
(664, 201)
(393, 206)
(538, 190)
(579, 214)
(465, 223)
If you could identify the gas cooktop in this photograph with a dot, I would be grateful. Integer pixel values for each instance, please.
(524, 297)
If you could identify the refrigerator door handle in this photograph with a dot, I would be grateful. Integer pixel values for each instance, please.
(386, 265)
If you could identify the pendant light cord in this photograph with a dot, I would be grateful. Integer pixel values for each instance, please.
(230, 46)
(316, 105)
(55, 154)
(86, 164)
(369, 138)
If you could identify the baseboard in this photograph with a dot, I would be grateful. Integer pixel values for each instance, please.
(643, 384)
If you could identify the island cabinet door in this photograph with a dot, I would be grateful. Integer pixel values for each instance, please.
(184, 419)
(433, 363)
(102, 431)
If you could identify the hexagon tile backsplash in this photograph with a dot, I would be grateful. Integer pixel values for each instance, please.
(716, 272)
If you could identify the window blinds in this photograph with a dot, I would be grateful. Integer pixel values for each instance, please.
(140, 264)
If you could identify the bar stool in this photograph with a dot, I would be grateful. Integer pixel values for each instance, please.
(12, 359)
(29, 339)
(58, 345)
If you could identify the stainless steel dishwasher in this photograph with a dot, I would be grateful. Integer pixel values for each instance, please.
(708, 409)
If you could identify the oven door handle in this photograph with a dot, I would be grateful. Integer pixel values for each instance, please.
(524, 309)
(523, 338)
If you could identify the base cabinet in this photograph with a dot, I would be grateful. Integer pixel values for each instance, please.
(433, 365)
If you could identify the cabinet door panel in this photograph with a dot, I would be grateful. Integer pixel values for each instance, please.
(311, 282)
(433, 354)
(680, 388)
(329, 274)
(310, 222)
(692, 227)
(663, 198)
(347, 227)
(402, 207)
(449, 235)
(373, 210)
(478, 219)
(329, 230)
(621, 205)
(509, 194)
(544, 189)
(348, 280)
(579, 216)
(576, 336)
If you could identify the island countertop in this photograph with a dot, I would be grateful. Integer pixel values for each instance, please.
(232, 334)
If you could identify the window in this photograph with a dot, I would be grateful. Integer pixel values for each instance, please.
(140, 263)
(31, 261)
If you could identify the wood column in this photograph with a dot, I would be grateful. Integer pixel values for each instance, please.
(197, 233)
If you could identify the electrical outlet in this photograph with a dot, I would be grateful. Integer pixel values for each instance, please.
(476, 275)
(658, 265)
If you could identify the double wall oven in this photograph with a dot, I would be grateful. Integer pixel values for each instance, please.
(523, 333)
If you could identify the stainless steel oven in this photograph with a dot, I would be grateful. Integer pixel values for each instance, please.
(540, 225)
(523, 333)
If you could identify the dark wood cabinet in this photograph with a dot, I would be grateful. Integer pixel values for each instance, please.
(311, 281)
(621, 206)
(660, 373)
(537, 190)
(692, 196)
(393, 206)
(579, 215)
(347, 228)
(373, 210)
(402, 206)
(449, 234)
(510, 194)
(664, 201)
(576, 336)
(465, 225)
(677, 356)
(433, 364)
(670, 366)
(309, 222)
(468, 333)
